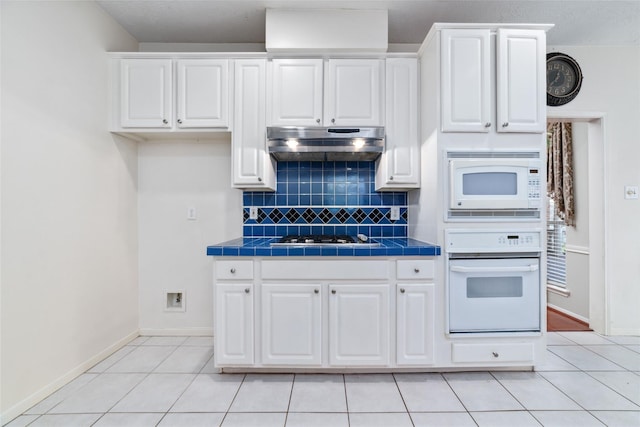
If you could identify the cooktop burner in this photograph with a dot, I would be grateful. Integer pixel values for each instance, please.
(317, 239)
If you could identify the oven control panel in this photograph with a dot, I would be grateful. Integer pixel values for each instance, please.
(468, 241)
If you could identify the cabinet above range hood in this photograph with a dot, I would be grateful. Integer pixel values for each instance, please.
(320, 144)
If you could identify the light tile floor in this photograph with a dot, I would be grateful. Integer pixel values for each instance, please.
(588, 380)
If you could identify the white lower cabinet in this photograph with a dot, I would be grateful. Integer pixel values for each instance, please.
(291, 324)
(358, 325)
(415, 317)
(234, 324)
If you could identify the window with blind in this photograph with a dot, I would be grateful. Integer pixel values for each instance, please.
(556, 252)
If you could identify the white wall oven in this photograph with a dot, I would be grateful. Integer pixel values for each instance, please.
(495, 184)
(493, 281)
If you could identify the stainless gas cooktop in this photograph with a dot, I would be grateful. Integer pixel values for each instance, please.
(320, 239)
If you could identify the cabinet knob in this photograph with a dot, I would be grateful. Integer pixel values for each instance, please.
(333, 291)
(487, 125)
(247, 290)
(495, 354)
(333, 121)
(391, 178)
(416, 270)
(318, 121)
(233, 271)
(505, 124)
(179, 121)
(164, 121)
(402, 290)
(259, 179)
(316, 291)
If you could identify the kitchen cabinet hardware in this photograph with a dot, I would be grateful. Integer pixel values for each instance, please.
(318, 121)
(179, 121)
(316, 291)
(505, 124)
(391, 178)
(247, 290)
(402, 290)
(333, 291)
(495, 354)
(487, 125)
(259, 179)
(164, 121)
(416, 270)
(333, 121)
(233, 271)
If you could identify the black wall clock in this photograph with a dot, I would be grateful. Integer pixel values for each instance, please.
(564, 79)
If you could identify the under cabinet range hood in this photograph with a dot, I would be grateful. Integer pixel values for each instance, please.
(319, 144)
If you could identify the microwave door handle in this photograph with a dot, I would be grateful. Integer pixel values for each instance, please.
(522, 269)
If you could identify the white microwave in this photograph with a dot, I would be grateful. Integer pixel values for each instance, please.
(489, 183)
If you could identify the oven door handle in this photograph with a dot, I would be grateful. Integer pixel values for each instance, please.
(521, 269)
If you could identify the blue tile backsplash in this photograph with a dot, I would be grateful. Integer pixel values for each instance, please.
(325, 198)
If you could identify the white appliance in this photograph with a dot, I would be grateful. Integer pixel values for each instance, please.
(494, 183)
(493, 281)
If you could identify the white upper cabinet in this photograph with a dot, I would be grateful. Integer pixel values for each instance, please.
(399, 166)
(296, 91)
(251, 164)
(145, 95)
(469, 101)
(202, 93)
(521, 80)
(153, 97)
(340, 92)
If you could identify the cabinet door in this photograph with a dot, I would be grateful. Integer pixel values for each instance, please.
(466, 80)
(354, 93)
(521, 81)
(234, 324)
(291, 331)
(202, 94)
(145, 98)
(252, 167)
(296, 92)
(399, 164)
(415, 309)
(358, 325)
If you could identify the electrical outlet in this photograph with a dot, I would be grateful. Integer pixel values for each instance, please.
(192, 214)
(253, 212)
(630, 191)
(395, 213)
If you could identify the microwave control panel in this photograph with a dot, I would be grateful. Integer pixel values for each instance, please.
(460, 241)
(534, 188)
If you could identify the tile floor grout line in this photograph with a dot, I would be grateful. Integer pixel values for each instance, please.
(403, 401)
(235, 395)
(346, 399)
(286, 416)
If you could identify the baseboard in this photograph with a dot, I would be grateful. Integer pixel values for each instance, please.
(180, 332)
(568, 313)
(63, 380)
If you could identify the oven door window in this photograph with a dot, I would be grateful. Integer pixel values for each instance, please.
(490, 184)
(494, 287)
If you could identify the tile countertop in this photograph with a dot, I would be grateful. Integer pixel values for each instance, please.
(261, 246)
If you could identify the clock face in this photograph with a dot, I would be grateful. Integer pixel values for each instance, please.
(564, 79)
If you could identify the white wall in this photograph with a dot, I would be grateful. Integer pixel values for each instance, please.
(69, 229)
(611, 86)
(173, 176)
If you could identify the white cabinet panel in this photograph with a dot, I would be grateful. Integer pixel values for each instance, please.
(291, 324)
(202, 93)
(415, 324)
(145, 97)
(358, 325)
(521, 78)
(354, 93)
(398, 167)
(296, 92)
(466, 80)
(415, 269)
(234, 336)
(234, 269)
(492, 352)
(252, 166)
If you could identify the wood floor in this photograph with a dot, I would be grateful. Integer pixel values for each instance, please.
(560, 322)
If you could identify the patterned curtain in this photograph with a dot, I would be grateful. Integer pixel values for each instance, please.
(560, 170)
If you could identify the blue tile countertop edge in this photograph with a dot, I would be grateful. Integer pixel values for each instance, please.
(261, 246)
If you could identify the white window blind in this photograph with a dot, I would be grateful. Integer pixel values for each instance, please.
(556, 252)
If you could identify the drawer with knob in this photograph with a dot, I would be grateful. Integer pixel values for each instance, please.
(415, 269)
(491, 352)
(234, 270)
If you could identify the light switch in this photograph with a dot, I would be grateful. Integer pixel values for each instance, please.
(395, 213)
(630, 191)
(191, 213)
(253, 212)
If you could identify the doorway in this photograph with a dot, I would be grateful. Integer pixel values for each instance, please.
(584, 296)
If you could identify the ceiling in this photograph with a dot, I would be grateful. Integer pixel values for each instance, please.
(577, 22)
